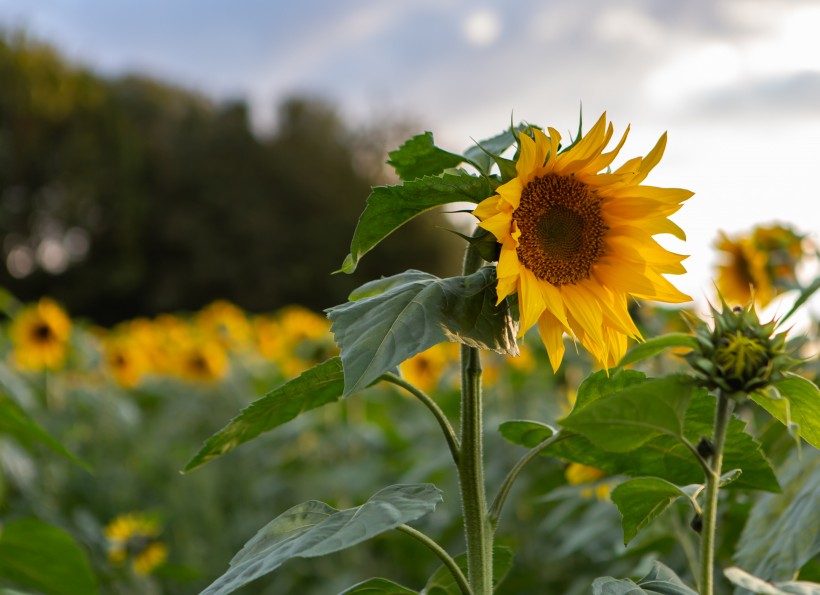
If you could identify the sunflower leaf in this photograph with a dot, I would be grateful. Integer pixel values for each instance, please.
(377, 333)
(668, 458)
(480, 154)
(419, 157)
(320, 385)
(625, 420)
(525, 433)
(800, 405)
(656, 345)
(643, 499)
(661, 580)
(390, 207)
(443, 583)
(314, 529)
(378, 586)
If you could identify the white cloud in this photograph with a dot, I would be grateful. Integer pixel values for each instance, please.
(482, 27)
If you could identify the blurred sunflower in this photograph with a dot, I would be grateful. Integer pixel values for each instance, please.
(576, 243)
(204, 361)
(135, 537)
(39, 334)
(578, 474)
(424, 370)
(125, 359)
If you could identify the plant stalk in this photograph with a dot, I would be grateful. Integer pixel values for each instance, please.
(707, 543)
(477, 528)
(442, 554)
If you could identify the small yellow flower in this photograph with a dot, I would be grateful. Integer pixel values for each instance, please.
(39, 334)
(578, 474)
(742, 272)
(203, 362)
(577, 241)
(227, 323)
(425, 370)
(135, 536)
(126, 361)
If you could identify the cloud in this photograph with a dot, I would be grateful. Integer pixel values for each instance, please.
(789, 95)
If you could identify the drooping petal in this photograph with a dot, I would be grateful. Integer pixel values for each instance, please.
(552, 334)
(530, 302)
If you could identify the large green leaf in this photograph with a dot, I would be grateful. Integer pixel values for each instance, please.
(668, 458)
(390, 207)
(525, 433)
(751, 584)
(36, 555)
(655, 346)
(641, 500)
(627, 419)
(313, 529)
(377, 333)
(600, 384)
(378, 586)
(16, 423)
(478, 155)
(660, 581)
(315, 387)
(799, 404)
(782, 531)
(419, 157)
(443, 583)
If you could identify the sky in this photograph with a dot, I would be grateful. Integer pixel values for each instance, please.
(736, 83)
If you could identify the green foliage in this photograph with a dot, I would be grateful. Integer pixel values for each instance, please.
(782, 532)
(379, 332)
(629, 418)
(660, 581)
(36, 555)
(798, 404)
(482, 154)
(752, 584)
(390, 207)
(378, 586)
(318, 386)
(643, 499)
(525, 433)
(315, 529)
(655, 346)
(443, 583)
(419, 157)
(601, 384)
(16, 423)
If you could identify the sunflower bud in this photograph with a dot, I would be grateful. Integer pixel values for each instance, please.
(738, 355)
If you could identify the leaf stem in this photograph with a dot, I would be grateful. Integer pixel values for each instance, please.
(707, 543)
(443, 422)
(477, 529)
(503, 491)
(442, 554)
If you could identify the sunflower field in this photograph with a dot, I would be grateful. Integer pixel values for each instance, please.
(541, 423)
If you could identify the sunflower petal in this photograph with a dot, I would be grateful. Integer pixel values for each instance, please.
(552, 335)
(530, 302)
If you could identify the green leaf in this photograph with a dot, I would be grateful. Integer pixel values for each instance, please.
(525, 433)
(668, 458)
(782, 531)
(315, 387)
(744, 580)
(656, 345)
(496, 145)
(443, 583)
(378, 586)
(627, 419)
(600, 384)
(377, 333)
(660, 581)
(313, 529)
(800, 405)
(419, 157)
(36, 555)
(390, 207)
(804, 296)
(16, 423)
(380, 286)
(643, 499)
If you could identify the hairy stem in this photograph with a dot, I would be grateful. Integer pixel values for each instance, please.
(707, 543)
(443, 422)
(478, 532)
(439, 551)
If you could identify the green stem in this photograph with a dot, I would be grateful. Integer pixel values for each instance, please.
(478, 532)
(707, 543)
(443, 422)
(504, 490)
(439, 551)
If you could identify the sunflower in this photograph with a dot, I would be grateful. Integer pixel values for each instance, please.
(577, 241)
(135, 536)
(742, 273)
(39, 334)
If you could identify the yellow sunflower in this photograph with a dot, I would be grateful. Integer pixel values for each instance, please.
(135, 536)
(576, 241)
(742, 272)
(39, 334)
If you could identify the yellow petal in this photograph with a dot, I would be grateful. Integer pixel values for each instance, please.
(585, 309)
(526, 158)
(530, 302)
(651, 160)
(487, 207)
(552, 334)
(511, 194)
(498, 225)
(553, 301)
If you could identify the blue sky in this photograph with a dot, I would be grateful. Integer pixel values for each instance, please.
(736, 83)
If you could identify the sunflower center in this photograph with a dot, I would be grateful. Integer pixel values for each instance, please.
(41, 333)
(562, 229)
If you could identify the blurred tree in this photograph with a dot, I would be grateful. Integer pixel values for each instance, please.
(130, 196)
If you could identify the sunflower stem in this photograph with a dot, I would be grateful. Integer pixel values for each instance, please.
(707, 543)
(477, 528)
